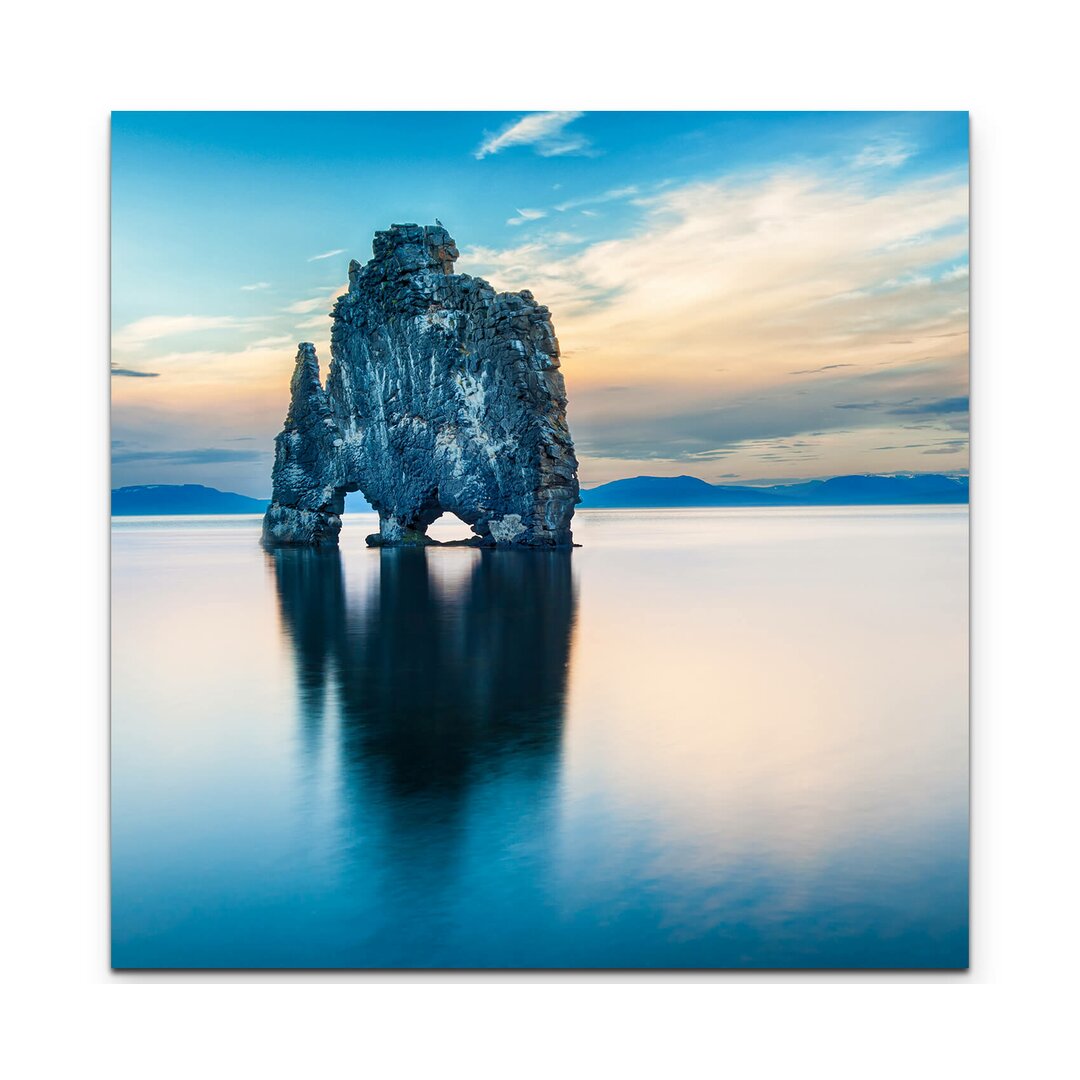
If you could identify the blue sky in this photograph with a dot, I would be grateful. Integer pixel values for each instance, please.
(738, 296)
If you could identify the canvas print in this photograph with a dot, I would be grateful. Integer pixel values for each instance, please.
(539, 540)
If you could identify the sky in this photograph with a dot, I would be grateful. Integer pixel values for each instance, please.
(743, 297)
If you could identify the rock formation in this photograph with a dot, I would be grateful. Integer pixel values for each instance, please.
(442, 395)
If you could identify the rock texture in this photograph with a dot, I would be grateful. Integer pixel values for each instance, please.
(442, 395)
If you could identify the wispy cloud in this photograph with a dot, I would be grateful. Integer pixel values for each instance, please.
(911, 406)
(155, 327)
(526, 215)
(131, 373)
(816, 370)
(932, 408)
(255, 286)
(271, 342)
(327, 255)
(323, 301)
(201, 456)
(884, 153)
(303, 307)
(621, 193)
(545, 132)
(606, 196)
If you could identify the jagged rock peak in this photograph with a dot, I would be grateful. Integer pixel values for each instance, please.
(443, 395)
(306, 389)
(402, 250)
(426, 245)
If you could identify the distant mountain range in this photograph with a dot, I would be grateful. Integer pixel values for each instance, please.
(672, 491)
(155, 499)
(637, 492)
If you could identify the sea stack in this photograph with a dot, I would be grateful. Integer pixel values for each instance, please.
(442, 395)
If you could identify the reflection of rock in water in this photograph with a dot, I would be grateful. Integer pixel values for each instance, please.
(311, 597)
(438, 688)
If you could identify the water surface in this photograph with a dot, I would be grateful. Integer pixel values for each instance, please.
(706, 738)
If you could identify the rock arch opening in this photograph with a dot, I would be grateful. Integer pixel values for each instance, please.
(449, 528)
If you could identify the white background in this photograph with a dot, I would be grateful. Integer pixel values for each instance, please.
(65, 66)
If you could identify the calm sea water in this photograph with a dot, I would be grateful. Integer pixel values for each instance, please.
(706, 738)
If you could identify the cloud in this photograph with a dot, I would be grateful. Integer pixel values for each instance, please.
(155, 327)
(323, 302)
(526, 215)
(884, 153)
(255, 286)
(824, 367)
(957, 273)
(545, 132)
(612, 195)
(202, 456)
(327, 255)
(272, 342)
(130, 373)
(306, 307)
(911, 407)
(717, 291)
(947, 405)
